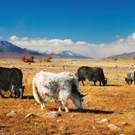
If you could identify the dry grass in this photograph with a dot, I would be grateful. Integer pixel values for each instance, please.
(116, 102)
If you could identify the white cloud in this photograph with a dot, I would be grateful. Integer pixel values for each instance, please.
(82, 47)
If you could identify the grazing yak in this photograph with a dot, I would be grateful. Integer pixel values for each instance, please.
(59, 86)
(92, 74)
(28, 59)
(11, 79)
(130, 78)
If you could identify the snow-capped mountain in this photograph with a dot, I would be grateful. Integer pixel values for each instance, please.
(8, 49)
(68, 54)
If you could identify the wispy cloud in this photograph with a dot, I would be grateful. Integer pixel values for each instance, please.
(82, 47)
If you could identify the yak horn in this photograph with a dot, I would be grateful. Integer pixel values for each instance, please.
(83, 95)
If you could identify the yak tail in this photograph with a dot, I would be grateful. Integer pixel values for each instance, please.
(36, 94)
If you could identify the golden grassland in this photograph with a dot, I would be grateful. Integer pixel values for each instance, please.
(114, 102)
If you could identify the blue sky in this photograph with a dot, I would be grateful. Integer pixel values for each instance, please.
(93, 21)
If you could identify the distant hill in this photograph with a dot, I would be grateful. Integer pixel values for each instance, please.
(69, 54)
(123, 55)
(8, 49)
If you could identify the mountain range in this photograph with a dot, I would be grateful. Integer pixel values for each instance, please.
(69, 54)
(8, 49)
(123, 56)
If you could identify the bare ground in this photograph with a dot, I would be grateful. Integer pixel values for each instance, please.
(115, 103)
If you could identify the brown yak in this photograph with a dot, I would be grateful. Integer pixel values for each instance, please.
(29, 59)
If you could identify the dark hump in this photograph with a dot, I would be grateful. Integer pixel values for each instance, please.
(84, 68)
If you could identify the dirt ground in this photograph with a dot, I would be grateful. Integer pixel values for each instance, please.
(108, 110)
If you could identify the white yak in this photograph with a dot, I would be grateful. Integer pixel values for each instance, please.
(59, 86)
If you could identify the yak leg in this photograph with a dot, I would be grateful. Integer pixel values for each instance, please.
(64, 103)
(128, 82)
(11, 95)
(63, 97)
(59, 110)
(66, 109)
(59, 104)
(42, 105)
(95, 83)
